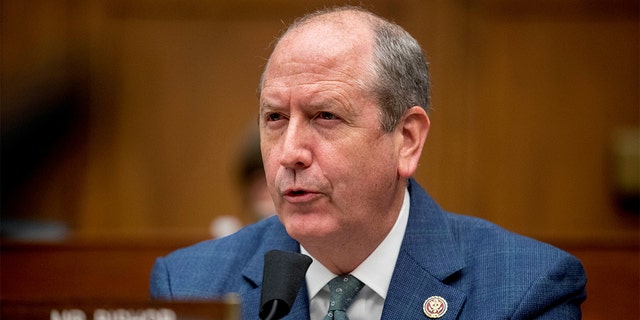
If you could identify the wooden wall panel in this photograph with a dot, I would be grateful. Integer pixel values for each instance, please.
(182, 86)
(80, 270)
(524, 135)
(548, 92)
(525, 101)
(184, 104)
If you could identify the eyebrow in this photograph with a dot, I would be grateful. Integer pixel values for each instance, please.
(270, 106)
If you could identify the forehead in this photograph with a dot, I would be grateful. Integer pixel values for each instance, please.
(324, 47)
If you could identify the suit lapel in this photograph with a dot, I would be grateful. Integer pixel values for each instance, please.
(428, 258)
(411, 287)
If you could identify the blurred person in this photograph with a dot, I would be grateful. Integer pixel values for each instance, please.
(256, 200)
(343, 120)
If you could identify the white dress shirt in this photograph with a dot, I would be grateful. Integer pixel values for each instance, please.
(375, 272)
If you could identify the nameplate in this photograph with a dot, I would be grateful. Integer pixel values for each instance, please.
(228, 309)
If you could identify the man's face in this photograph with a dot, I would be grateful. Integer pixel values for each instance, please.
(330, 169)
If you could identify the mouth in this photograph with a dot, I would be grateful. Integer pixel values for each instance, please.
(300, 195)
(295, 193)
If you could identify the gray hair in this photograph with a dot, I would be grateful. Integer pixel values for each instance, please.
(402, 73)
(400, 69)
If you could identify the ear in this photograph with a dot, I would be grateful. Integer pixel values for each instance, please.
(413, 133)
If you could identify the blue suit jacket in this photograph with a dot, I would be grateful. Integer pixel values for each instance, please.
(481, 270)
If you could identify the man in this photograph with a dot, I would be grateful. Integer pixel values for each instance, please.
(343, 120)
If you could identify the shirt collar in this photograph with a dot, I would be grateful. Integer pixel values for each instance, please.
(376, 271)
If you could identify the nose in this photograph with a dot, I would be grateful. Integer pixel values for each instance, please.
(296, 146)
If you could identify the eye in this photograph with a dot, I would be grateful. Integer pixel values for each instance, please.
(324, 115)
(274, 116)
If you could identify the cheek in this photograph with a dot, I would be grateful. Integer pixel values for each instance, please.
(368, 159)
(269, 157)
(355, 169)
(270, 172)
(270, 164)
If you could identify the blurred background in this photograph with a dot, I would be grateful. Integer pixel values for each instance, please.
(127, 124)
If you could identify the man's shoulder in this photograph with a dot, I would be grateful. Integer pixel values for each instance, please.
(238, 245)
(213, 268)
(474, 236)
(478, 236)
(518, 262)
(500, 264)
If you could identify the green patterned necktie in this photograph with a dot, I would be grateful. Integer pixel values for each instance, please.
(343, 290)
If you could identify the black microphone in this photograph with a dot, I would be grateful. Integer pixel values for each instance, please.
(283, 275)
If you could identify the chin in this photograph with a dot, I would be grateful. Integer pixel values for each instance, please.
(308, 228)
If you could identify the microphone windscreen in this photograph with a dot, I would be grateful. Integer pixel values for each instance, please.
(282, 278)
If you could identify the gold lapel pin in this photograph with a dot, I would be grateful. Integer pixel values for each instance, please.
(435, 307)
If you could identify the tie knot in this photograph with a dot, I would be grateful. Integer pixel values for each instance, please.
(343, 290)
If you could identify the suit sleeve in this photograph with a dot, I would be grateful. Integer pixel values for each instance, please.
(160, 285)
(556, 294)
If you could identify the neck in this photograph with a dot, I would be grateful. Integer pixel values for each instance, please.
(344, 259)
(345, 254)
